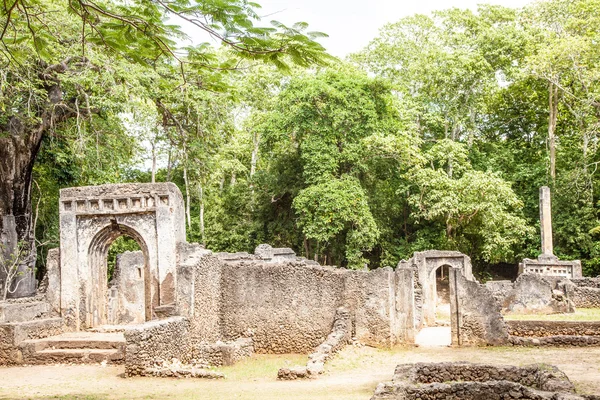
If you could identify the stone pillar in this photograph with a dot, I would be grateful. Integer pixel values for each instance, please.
(546, 222)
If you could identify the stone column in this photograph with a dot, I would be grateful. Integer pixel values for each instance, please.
(546, 222)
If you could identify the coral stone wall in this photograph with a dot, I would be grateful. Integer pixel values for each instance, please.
(463, 380)
(288, 308)
(584, 292)
(553, 328)
(479, 321)
(155, 342)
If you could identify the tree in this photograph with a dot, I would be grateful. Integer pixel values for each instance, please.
(337, 206)
(479, 210)
(57, 54)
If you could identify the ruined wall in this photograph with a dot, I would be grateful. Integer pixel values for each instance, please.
(49, 287)
(372, 297)
(156, 342)
(479, 321)
(199, 293)
(13, 333)
(553, 328)
(288, 308)
(536, 294)
(583, 292)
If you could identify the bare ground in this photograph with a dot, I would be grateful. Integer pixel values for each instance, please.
(352, 374)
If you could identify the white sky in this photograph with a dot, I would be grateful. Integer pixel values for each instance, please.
(352, 24)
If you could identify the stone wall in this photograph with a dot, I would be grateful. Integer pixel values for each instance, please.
(583, 292)
(499, 289)
(463, 380)
(126, 301)
(536, 294)
(553, 328)
(479, 321)
(199, 293)
(156, 342)
(14, 333)
(340, 336)
(287, 308)
(556, 341)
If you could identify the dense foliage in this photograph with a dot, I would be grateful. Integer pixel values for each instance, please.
(437, 135)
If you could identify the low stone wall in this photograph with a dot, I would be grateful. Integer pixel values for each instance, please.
(12, 334)
(156, 342)
(553, 328)
(463, 380)
(556, 341)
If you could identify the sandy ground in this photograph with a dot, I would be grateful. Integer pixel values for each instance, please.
(352, 374)
(434, 336)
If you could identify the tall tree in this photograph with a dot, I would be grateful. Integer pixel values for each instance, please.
(48, 46)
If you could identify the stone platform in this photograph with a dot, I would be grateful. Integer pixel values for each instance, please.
(75, 347)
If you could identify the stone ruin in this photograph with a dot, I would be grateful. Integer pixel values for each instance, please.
(464, 380)
(179, 301)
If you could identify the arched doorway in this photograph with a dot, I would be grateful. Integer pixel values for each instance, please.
(91, 218)
(133, 281)
(437, 330)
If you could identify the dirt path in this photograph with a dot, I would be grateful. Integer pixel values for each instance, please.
(352, 374)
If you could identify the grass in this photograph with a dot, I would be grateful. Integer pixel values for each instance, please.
(261, 365)
(581, 314)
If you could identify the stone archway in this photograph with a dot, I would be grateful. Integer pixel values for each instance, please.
(91, 218)
(427, 263)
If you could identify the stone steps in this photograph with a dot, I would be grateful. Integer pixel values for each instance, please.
(75, 347)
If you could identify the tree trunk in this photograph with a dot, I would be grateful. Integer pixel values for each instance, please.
(153, 162)
(187, 195)
(18, 151)
(201, 197)
(552, 117)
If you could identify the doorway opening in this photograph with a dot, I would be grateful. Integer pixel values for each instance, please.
(121, 278)
(440, 332)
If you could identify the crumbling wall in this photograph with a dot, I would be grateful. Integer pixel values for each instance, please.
(340, 336)
(155, 342)
(14, 333)
(199, 291)
(478, 320)
(287, 308)
(372, 298)
(535, 294)
(500, 289)
(583, 292)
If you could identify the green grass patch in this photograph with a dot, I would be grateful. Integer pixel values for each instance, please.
(261, 365)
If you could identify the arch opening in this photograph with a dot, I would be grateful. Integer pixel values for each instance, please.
(439, 331)
(122, 285)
